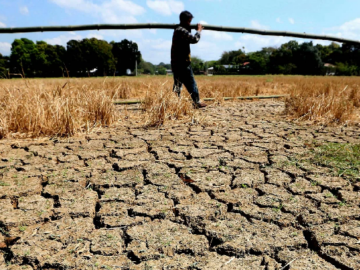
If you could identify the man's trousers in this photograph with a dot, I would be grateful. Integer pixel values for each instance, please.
(185, 76)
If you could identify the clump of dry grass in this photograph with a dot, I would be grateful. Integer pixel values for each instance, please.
(166, 106)
(61, 111)
(332, 102)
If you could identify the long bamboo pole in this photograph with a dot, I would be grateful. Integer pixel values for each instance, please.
(169, 26)
(138, 101)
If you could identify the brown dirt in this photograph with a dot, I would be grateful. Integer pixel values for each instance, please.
(222, 195)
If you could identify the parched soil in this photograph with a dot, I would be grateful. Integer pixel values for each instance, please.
(226, 195)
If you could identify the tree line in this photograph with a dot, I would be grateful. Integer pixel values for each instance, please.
(81, 57)
(78, 59)
(292, 58)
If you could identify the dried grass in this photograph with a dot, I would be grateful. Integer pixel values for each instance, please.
(335, 101)
(49, 107)
(166, 106)
(61, 111)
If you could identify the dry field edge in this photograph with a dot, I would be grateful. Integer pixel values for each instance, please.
(138, 101)
(64, 107)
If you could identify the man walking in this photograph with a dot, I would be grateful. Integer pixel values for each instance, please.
(181, 57)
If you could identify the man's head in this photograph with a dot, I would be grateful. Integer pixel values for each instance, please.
(186, 18)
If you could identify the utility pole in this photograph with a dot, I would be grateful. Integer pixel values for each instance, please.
(135, 68)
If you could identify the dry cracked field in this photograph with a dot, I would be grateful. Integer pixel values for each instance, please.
(224, 196)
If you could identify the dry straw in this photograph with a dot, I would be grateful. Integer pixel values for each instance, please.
(166, 106)
(324, 102)
(63, 107)
(60, 111)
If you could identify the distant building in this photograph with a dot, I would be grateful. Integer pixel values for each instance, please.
(329, 69)
(229, 66)
(93, 72)
(225, 69)
(169, 72)
(245, 65)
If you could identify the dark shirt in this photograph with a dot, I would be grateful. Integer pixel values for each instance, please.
(180, 49)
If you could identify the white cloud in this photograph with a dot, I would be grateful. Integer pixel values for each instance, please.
(166, 8)
(278, 20)
(258, 25)
(155, 50)
(123, 6)
(110, 11)
(63, 39)
(207, 50)
(2, 25)
(24, 10)
(97, 36)
(152, 31)
(156, 44)
(291, 20)
(350, 30)
(121, 34)
(256, 42)
(215, 35)
(351, 26)
(80, 5)
(117, 35)
(5, 48)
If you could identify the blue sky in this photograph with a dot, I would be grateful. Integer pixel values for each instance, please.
(331, 17)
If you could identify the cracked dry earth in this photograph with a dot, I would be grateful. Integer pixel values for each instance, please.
(179, 197)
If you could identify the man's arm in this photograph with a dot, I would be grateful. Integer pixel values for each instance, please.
(193, 39)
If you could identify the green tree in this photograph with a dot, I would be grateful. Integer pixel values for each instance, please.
(49, 60)
(232, 58)
(307, 58)
(89, 54)
(126, 53)
(212, 63)
(162, 64)
(267, 52)
(23, 56)
(161, 71)
(258, 63)
(206, 66)
(325, 52)
(4, 64)
(281, 61)
(75, 58)
(98, 55)
(344, 69)
(288, 68)
(146, 67)
(351, 54)
(41, 61)
(220, 69)
(197, 64)
(57, 56)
